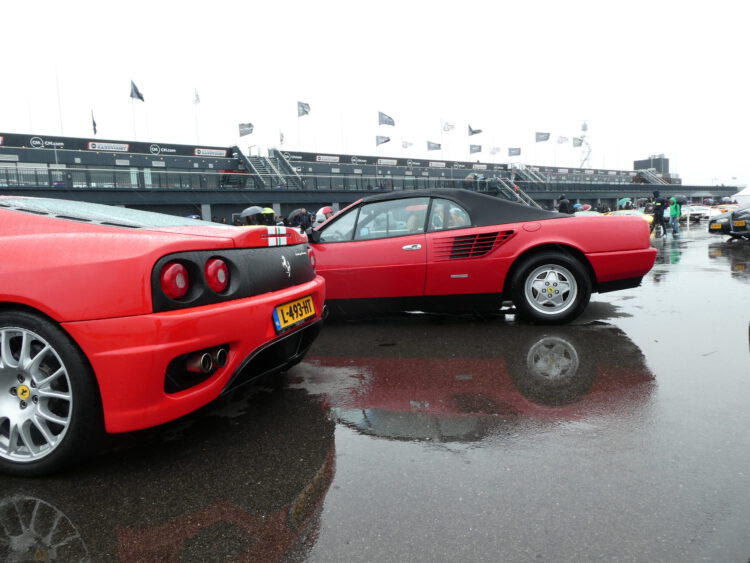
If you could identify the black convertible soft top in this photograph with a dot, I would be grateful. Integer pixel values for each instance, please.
(484, 209)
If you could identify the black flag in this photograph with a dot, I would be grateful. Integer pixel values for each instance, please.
(474, 131)
(93, 121)
(433, 146)
(302, 109)
(475, 148)
(542, 137)
(379, 140)
(383, 119)
(514, 152)
(135, 93)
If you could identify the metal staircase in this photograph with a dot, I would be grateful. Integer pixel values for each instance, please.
(651, 178)
(260, 181)
(285, 169)
(511, 191)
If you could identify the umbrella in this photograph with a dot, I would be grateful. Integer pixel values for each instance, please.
(295, 213)
(681, 199)
(585, 207)
(267, 210)
(252, 210)
(623, 201)
(576, 206)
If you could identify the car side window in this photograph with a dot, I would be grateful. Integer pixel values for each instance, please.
(446, 214)
(387, 219)
(341, 229)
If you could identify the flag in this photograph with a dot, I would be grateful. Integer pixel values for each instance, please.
(302, 109)
(380, 139)
(93, 121)
(433, 146)
(406, 144)
(541, 137)
(514, 152)
(562, 140)
(495, 150)
(281, 138)
(474, 131)
(197, 99)
(383, 119)
(475, 148)
(246, 129)
(577, 142)
(448, 126)
(135, 93)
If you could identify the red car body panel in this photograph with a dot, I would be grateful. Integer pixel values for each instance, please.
(385, 269)
(616, 248)
(95, 280)
(131, 354)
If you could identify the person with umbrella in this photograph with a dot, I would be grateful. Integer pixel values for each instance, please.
(251, 215)
(268, 216)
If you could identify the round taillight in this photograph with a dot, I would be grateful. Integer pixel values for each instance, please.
(217, 274)
(174, 280)
(311, 256)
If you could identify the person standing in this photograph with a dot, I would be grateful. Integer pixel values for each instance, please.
(675, 210)
(659, 207)
(563, 205)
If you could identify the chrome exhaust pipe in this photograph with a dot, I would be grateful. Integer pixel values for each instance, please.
(220, 356)
(326, 312)
(199, 362)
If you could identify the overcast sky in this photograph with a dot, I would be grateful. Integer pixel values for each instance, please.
(649, 77)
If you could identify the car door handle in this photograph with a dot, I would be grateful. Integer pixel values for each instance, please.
(411, 247)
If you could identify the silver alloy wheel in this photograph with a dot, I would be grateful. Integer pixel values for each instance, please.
(36, 399)
(550, 289)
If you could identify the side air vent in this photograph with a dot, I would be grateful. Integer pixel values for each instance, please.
(470, 246)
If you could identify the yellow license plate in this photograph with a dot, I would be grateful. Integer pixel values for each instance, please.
(295, 312)
(740, 267)
(716, 226)
(739, 223)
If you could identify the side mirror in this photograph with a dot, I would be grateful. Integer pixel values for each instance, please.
(313, 235)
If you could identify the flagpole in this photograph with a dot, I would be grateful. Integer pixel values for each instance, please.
(59, 104)
(132, 108)
(196, 101)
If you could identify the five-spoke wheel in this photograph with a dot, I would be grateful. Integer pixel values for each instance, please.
(551, 288)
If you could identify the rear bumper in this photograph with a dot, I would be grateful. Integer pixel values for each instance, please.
(130, 355)
(612, 267)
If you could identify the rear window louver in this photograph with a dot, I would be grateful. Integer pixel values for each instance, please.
(470, 246)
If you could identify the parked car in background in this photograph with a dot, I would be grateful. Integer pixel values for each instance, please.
(117, 319)
(447, 249)
(734, 223)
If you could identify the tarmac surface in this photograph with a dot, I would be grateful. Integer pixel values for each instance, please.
(621, 437)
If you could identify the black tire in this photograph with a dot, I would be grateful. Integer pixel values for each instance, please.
(550, 288)
(50, 412)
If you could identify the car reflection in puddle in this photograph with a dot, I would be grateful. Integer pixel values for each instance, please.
(461, 380)
(243, 479)
(735, 254)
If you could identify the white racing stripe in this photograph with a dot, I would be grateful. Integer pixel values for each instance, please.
(276, 236)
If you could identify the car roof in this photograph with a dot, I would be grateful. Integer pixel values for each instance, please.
(484, 209)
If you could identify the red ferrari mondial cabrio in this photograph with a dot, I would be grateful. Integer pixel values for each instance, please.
(118, 319)
(440, 249)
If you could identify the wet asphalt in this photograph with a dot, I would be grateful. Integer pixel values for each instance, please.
(621, 437)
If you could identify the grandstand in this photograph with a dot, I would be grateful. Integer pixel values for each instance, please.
(217, 182)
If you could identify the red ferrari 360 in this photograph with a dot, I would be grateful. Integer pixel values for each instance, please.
(119, 319)
(433, 250)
